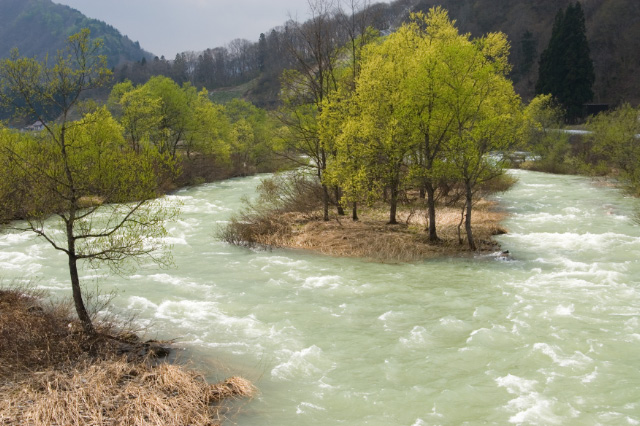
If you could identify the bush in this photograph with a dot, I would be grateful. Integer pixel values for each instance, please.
(290, 193)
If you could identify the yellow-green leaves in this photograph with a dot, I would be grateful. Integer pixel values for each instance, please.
(428, 105)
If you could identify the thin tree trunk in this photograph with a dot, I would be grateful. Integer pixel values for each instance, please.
(325, 202)
(393, 206)
(336, 191)
(467, 222)
(354, 214)
(431, 209)
(83, 315)
(460, 224)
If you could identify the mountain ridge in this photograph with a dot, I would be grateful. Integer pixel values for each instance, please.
(41, 27)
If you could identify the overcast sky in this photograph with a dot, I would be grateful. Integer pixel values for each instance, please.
(167, 27)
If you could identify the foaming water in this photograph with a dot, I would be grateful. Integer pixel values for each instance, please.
(549, 337)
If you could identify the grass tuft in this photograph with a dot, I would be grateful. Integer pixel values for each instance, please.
(52, 374)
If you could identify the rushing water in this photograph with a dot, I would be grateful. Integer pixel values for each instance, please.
(550, 337)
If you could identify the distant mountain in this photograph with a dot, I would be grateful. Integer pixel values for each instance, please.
(38, 27)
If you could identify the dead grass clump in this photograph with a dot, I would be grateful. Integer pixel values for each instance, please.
(33, 335)
(287, 214)
(52, 374)
(263, 222)
(117, 392)
(371, 238)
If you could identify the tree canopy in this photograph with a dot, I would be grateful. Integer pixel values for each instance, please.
(429, 104)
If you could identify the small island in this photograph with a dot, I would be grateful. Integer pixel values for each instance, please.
(286, 215)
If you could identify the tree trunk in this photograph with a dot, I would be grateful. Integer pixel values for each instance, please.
(467, 222)
(393, 206)
(336, 192)
(354, 214)
(325, 202)
(83, 315)
(431, 209)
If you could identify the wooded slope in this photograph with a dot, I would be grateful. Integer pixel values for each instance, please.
(38, 27)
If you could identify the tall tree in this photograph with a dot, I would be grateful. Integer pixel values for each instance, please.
(566, 69)
(83, 172)
(486, 115)
(315, 47)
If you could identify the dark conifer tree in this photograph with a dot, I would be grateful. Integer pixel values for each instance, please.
(566, 68)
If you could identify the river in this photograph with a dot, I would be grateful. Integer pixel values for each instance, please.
(549, 337)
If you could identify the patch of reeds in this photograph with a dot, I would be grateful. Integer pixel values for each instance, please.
(53, 374)
(264, 221)
(117, 392)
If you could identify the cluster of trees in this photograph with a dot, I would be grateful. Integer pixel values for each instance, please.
(89, 182)
(99, 190)
(610, 144)
(421, 107)
(206, 139)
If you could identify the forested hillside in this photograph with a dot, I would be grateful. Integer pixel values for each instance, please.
(38, 27)
(613, 32)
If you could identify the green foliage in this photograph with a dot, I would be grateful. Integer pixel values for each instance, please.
(81, 171)
(252, 136)
(429, 104)
(615, 143)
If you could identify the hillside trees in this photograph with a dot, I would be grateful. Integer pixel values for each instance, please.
(566, 68)
(100, 190)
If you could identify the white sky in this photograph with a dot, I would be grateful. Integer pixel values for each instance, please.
(167, 27)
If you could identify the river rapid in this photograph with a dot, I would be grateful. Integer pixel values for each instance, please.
(549, 337)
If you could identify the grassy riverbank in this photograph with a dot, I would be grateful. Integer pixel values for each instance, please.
(52, 373)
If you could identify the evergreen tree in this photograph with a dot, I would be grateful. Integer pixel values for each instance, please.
(528, 46)
(566, 68)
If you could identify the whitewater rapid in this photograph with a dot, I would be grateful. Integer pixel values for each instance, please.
(549, 337)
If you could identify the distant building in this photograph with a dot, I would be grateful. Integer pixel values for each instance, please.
(35, 127)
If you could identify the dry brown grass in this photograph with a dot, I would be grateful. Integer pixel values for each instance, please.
(51, 374)
(372, 238)
(117, 392)
(287, 215)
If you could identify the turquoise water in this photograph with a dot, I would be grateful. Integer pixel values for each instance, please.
(549, 337)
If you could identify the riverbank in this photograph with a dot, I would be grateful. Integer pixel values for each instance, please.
(372, 238)
(52, 373)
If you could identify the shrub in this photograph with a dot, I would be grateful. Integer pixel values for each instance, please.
(294, 192)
